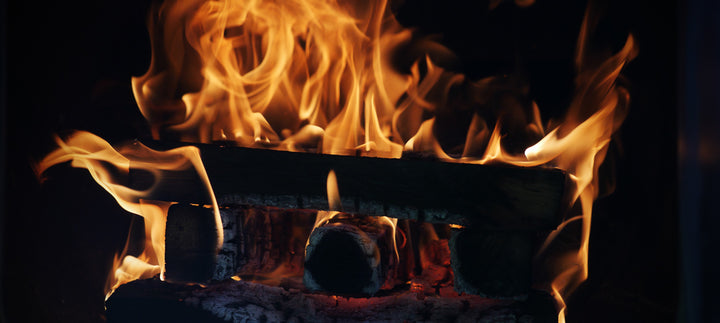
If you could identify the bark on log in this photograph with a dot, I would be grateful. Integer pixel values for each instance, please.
(486, 196)
(257, 241)
(350, 255)
(492, 264)
(230, 301)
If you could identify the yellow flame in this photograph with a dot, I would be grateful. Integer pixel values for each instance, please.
(317, 75)
(333, 195)
(262, 72)
(85, 150)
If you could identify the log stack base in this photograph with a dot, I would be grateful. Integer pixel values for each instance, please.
(241, 301)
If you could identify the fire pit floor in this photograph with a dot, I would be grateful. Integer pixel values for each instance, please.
(242, 301)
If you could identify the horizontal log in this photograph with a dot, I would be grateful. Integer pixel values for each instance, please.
(350, 255)
(484, 196)
(241, 301)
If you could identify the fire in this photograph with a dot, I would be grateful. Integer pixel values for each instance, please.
(104, 162)
(318, 76)
(297, 75)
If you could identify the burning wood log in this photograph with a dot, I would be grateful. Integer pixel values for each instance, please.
(492, 264)
(257, 241)
(482, 196)
(350, 255)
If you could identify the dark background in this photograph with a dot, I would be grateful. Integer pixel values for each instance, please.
(68, 66)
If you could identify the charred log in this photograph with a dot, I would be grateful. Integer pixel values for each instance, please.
(257, 241)
(495, 264)
(491, 197)
(191, 239)
(350, 255)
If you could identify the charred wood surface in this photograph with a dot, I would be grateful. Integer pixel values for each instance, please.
(230, 301)
(486, 196)
(493, 264)
(261, 240)
(191, 239)
(257, 241)
(350, 255)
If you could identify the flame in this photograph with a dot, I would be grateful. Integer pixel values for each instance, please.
(283, 75)
(578, 145)
(103, 161)
(334, 205)
(318, 75)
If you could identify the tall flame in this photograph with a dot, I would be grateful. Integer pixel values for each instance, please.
(85, 150)
(261, 72)
(318, 75)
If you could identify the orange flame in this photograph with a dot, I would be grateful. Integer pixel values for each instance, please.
(334, 205)
(304, 75)
(275, 73)
(88, 151)
(316, 75)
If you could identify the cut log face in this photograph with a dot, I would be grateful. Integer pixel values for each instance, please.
(492, 264)
(350, 255)
(191, 239)
(343, 260)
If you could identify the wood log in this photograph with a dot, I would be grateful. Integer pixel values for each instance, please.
(190, 243)
(257, 241)
(350, 255)
(492, 264)
(483, 196)
(241, 301)
(268, 244)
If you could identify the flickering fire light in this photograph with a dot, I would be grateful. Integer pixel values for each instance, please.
(318, 76)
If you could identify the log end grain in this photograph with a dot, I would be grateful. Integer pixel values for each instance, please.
(492, 264)
(190, 244)
(342, 259)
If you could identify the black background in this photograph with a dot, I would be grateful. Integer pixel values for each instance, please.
(69, 66)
